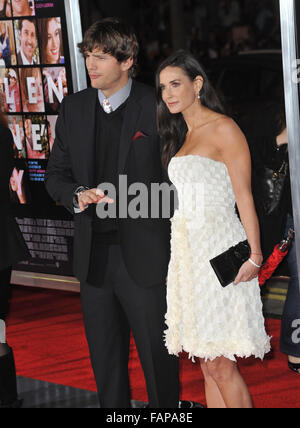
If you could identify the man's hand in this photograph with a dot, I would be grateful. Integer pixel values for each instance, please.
(93, 196)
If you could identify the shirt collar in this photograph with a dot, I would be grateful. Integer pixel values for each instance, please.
(118, 98)
(25, 60)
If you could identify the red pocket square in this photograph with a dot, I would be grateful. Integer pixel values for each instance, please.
(138, 135)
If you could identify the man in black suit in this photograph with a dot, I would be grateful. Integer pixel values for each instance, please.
(12, 250)
(103, 133)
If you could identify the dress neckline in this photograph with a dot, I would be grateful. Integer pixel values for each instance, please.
(198, 156)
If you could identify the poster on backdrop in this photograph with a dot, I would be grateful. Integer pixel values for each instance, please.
(35, 76)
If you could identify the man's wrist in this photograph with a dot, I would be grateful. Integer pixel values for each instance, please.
(77, 193)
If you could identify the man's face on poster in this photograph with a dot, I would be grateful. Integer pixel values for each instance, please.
(20, 7)
(28, 39)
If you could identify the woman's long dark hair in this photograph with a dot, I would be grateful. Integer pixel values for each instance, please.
(172, 127)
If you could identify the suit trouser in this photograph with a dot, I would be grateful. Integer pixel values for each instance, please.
(5, 276)
(290, 326)
(110, 313)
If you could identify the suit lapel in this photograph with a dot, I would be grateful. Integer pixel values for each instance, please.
(131, 117)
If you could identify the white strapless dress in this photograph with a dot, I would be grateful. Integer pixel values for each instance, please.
(203, 318)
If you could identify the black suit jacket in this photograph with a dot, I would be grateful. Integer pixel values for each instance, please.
(145, 243)
(12, 246)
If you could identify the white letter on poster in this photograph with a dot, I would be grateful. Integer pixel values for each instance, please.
(37, 133)
(57, 89)
(32, 90)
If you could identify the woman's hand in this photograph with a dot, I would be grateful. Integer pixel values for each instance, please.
(248, 271)
(282, 138)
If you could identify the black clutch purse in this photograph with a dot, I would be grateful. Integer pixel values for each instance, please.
(228, 264)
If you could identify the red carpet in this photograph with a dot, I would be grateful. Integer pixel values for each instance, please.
(46, 331)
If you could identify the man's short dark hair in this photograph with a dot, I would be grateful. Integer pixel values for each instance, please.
(114, 37)
(21, 22)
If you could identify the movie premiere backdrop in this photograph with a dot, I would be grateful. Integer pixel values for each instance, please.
(35, 76)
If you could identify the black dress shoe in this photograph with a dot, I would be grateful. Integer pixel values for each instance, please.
(190, 405)
(17, 404)
(294, 367)
(8, 382)
(185, 405)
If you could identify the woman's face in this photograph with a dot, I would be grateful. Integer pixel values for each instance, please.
(53, 44)
(177, 90)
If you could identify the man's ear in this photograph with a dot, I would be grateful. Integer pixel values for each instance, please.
(127, 64)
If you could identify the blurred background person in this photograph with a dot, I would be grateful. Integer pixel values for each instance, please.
(51, 41)
(14, 101)
(5, 9)
(268, 141)
(16, 185)
(32, 93)
(23, 8)
(229, 13)
(54, 77)
(5, 52)
(12, 250)
(51, 134)
(17, 129)
(32, 151)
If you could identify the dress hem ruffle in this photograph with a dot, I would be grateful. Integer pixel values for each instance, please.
(230, 350)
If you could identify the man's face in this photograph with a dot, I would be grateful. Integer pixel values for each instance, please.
(28, 39)
(105, 72)
(20, 7)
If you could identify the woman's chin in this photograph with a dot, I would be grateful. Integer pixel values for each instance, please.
(175, 110)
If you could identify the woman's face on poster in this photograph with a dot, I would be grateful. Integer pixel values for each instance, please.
(13, 82)
(53, 44)
(35, 102)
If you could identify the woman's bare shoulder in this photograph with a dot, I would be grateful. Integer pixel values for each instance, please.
(226, 124)
(227, 130)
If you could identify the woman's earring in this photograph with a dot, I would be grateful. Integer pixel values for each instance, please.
(199, 96)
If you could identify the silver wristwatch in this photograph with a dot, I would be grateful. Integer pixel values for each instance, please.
(77, 193)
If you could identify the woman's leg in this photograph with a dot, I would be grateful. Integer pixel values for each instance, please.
(232, 386)
(214, 399)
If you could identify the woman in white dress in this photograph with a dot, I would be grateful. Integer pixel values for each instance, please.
(209, 163)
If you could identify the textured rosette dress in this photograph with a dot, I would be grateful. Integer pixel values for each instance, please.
(203, 318)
